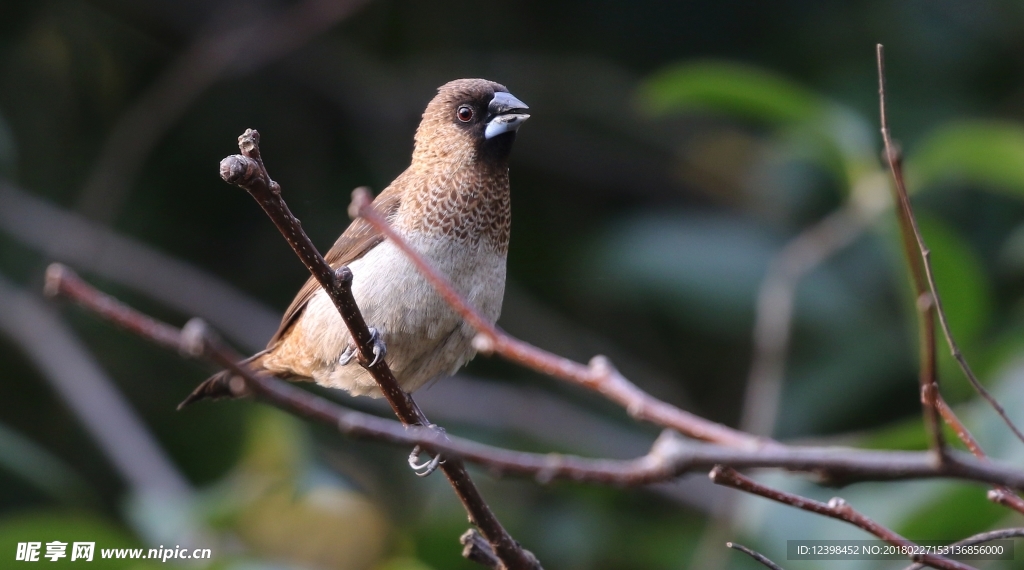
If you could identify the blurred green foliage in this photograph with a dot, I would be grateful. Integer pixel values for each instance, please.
(674, 149)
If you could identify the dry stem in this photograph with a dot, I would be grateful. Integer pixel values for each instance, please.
(764, 560)
(836, 508)
(928, 300)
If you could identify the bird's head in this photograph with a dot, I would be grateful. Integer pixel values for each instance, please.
(470, 115)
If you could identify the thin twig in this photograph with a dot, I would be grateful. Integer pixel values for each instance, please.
(475, 548)
(1007, 498)
(961, 431)
(980, 538)
(924, 300)
(999, 495)
(929, 306)
(599, 375)
(836, 508)
(764, 560)
(925, 284)
(670, 456)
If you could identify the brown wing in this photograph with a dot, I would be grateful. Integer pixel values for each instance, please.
(356, 240)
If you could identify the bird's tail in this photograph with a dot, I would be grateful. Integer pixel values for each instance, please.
(224, 384)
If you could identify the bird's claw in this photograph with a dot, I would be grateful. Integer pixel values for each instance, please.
(426, 467)
(348, 354)
(380, 350)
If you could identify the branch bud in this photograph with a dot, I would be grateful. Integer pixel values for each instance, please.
(483, 344)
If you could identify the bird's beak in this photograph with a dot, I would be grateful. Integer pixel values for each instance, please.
(506, 114)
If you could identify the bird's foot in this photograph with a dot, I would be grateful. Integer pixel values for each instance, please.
(349, 354)
(380, 349)
(425, 468)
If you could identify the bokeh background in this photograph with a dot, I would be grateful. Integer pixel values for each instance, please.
(675, 149)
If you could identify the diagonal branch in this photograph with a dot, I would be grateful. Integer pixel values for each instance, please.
(599, 375)
(1000, 494)
(928, 300)
(836, 508)
(980, 538)
(761, 558)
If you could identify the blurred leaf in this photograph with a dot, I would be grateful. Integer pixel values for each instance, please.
(809, 126)
(284, 509)
(39, 467)
(960, 279)
(987, 153)
(703, 270)
(856, 371)
(1011, 255)
(1007, 386)
(276, 444)
(325, 527)
(732, 88)
(958, 511)
(908, 434)
(994, 354)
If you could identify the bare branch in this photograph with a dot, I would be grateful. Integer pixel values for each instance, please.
(981, 538)
(928, 300)
(998, 495)
(836, 508)
(924, 299)
(754, 554)
(599, 375)
(1007, 498)
(475, 548)
(929, 305)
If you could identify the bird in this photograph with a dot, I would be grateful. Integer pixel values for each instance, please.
(452, 204)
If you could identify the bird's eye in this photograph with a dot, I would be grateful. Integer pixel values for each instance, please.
(465, 113)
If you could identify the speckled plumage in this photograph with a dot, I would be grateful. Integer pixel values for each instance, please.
(452, 205)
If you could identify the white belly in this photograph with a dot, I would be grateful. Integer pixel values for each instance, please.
(425, 338)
